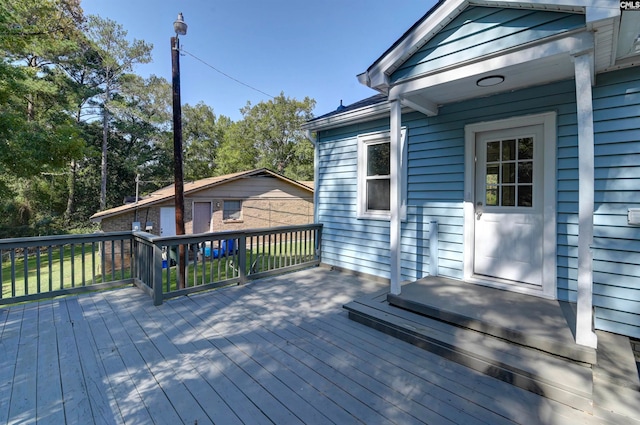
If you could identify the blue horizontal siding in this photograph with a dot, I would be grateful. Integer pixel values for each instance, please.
(616, 253)
(436, 181)
(435, 186)
(479, 31)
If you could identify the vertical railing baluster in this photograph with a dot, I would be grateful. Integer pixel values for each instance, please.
(156, 262)
(25, 257)
(103, 261)
(122, 264)
(93, 263)
(38, 274)
(112, 254)
(73, 265)
(12, 256)
(50, 266)
(61, 260)
(83, 265)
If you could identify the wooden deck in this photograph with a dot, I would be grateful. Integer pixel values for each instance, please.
(279, 350)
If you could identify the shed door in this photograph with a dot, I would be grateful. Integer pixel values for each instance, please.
(167, 221)
(202, 217)
(509, 205)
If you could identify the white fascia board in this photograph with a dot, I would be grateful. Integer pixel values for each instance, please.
(446, 12)
(363, 114)
(571, 44)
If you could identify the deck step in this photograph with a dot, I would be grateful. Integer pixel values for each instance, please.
(504, 320)
(554, 377)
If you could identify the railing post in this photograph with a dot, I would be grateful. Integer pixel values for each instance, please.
(157, 274)
(433, 248)
(242, 260)
(318, 238)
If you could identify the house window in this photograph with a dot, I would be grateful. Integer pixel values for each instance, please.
(232, 210)
(374, 175)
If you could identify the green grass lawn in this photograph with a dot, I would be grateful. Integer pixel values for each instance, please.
(201, 271)
(67, 269)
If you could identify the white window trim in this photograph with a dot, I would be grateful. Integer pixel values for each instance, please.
(365, 140)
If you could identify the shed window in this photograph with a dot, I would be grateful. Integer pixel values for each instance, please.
(232, 210)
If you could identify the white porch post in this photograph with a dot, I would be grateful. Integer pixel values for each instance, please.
(584, 79)
(396, 196)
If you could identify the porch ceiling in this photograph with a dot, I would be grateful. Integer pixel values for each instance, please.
(516, 76)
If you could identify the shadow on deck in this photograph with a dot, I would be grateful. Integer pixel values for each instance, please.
(520, 339)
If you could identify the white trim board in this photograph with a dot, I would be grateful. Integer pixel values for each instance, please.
(549, 273)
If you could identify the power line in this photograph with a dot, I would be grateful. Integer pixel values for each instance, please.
(226, 75)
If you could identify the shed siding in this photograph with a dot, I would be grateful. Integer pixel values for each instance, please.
(480, 31)
(616, 253)
(436, 187)
(255, 187)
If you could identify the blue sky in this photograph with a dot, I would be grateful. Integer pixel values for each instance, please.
(311, 48)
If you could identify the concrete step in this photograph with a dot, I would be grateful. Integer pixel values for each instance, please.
(540, 372)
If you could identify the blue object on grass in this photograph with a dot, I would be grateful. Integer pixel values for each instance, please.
(225, 249)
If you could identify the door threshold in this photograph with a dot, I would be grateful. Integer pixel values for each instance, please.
(510, 285)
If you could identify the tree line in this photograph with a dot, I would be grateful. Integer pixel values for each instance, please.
(78, 125)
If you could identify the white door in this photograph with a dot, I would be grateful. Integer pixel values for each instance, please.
(509, 198)
(167, 221)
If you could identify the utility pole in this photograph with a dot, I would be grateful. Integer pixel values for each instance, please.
(180, 28)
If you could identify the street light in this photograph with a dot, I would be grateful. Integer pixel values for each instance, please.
(180, 28)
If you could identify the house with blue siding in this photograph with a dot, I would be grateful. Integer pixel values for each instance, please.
(502, 149)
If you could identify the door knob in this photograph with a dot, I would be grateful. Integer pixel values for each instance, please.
(478, 210)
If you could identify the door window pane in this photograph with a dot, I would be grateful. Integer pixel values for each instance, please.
(508, 196)
(525, 148)
(525, 198)
(509, 173)
(492, 196)
(508, 150)
(525, 172)
(493, 151)
(492, 174)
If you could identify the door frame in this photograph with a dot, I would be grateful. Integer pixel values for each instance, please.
(549, 245)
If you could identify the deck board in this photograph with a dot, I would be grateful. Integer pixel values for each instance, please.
(24, 380)
(279, 350)
(9, 344)
(77, 408)
(130, 407)
(48, 410)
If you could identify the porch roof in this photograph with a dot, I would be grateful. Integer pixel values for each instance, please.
(470, 53)
(280, 350)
